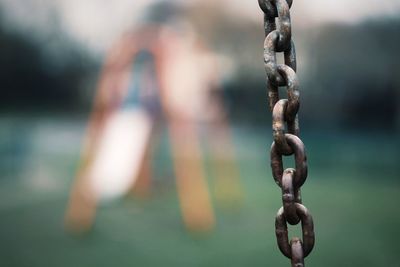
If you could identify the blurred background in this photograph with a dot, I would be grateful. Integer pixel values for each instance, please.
(52, 58)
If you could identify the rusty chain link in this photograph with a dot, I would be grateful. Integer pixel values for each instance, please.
(285, 126)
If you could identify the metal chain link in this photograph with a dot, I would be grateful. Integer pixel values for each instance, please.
(278, 32)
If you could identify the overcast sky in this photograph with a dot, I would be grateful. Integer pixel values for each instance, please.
(97, 22)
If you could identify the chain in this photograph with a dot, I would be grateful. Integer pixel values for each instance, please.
(278, 39)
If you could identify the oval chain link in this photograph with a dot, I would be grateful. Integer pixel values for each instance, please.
(285, 126)
(307, 226)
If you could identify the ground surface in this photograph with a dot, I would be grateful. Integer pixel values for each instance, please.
(352, 192)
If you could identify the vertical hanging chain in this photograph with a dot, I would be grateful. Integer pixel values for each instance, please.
(278, 39)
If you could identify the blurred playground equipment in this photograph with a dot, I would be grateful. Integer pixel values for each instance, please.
(157, 75)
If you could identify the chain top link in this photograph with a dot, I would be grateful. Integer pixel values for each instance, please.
(278, 32)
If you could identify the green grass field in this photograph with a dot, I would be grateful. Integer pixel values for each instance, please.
(352, 191)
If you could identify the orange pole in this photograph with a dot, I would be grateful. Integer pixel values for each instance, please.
(194, 197)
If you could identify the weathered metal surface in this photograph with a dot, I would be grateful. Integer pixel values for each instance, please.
(269, 8)
(285, 125)
(297, 252)
(307, 227)
(300, 160)
(290, 197)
